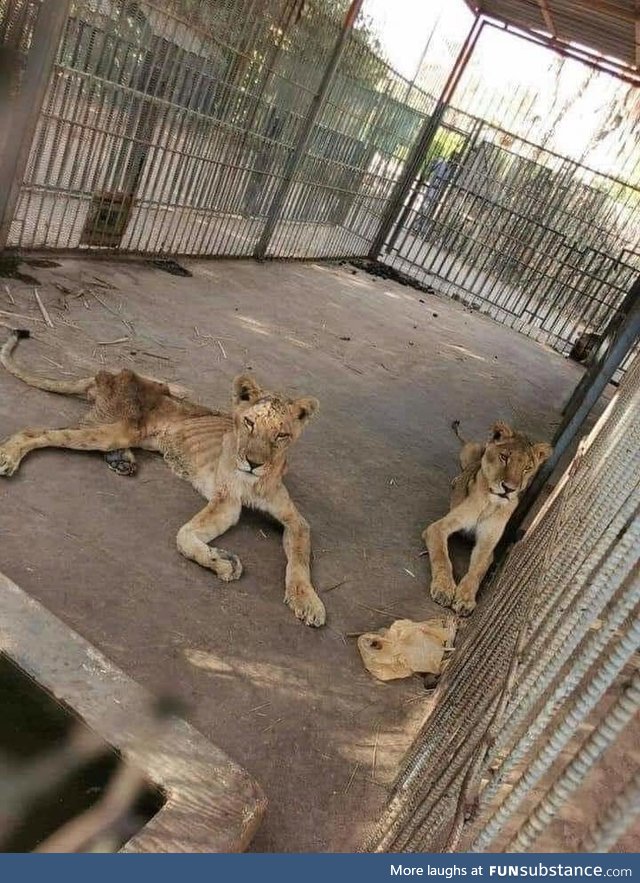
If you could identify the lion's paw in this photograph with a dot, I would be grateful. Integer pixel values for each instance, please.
(443, 589)
(226, 565)
(465, 600)
(8, 463)
(464, 606)
(121, 462)
(305, 603)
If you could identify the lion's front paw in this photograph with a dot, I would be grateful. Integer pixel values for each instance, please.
(8, 463)
(465, 600)
(464, 606)
(307, 606)
(226, 565)
(443, 589)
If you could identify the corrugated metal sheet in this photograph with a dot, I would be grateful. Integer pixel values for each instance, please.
(608, 28)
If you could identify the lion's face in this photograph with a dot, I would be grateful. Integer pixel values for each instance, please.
(510, 461)
(266, 426)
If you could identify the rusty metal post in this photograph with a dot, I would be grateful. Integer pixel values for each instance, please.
(315, 108)
(627, 334)
(608, 337)
(424, 142)
(19, 115)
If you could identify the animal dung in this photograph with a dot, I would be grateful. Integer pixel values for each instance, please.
(407, 648)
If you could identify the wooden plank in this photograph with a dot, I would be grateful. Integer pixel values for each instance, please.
(213, 804)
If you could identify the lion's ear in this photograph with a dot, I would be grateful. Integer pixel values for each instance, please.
(304, 409)
(500, 431)
(542, 451)
(245, 389)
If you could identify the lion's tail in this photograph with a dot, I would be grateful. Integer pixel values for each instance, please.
(64, 387)
(456, 428)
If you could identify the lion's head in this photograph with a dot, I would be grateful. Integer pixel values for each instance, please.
(266, 425)
(510, 461)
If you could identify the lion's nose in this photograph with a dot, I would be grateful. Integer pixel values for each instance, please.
(252, 464)
(507, 488)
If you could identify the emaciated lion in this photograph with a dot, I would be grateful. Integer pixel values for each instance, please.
(483, 498)
(233, 460)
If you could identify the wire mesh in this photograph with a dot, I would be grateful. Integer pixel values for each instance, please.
(578, 560)
(17, 21)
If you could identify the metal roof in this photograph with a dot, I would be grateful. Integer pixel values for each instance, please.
(606, 32)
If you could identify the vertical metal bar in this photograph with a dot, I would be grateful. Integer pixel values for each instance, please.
(424, 141)
(20, 116)
(616, 321)
(308, 124)
(573, 776)
(628, 335)
(616, 820)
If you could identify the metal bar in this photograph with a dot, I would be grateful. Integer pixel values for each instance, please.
(617, 818)
(423, 142)
(609, 66)
(307, 127)
(21, 115)
(612, 329)
(574, 712)
(574, 775)
(546, 15)
(628, 335)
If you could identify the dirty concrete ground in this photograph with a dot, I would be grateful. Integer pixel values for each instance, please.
(392, 368)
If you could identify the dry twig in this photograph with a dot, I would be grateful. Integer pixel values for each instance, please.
(43, 309)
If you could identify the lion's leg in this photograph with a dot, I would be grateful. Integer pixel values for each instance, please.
(481, 559)
(213, 520)
(122, 461)
(436, 538)
(299, 594)
(104, 437)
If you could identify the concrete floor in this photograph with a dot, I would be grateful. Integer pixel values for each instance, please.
(291, 704)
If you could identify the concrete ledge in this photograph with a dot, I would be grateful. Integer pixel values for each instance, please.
(213, 805)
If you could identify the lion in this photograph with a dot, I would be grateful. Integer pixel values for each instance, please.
(483, 498)
(233, 459)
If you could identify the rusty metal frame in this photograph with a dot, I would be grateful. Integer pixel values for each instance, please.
(393, 211)
(313, 114)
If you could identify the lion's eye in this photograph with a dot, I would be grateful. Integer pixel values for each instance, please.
(249, 423)
(527, 469)
(504, 458)
(281, 436)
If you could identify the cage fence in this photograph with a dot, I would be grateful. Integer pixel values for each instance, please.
(508, 215)
(168, 128)
(196, 127)
(545, 680)
(211, 127)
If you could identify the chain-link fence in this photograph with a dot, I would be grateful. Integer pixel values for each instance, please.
(534, 695)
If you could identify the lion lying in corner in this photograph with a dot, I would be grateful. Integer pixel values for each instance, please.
(483, 498)
(233, 460)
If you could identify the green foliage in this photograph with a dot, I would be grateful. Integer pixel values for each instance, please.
(445, 143)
